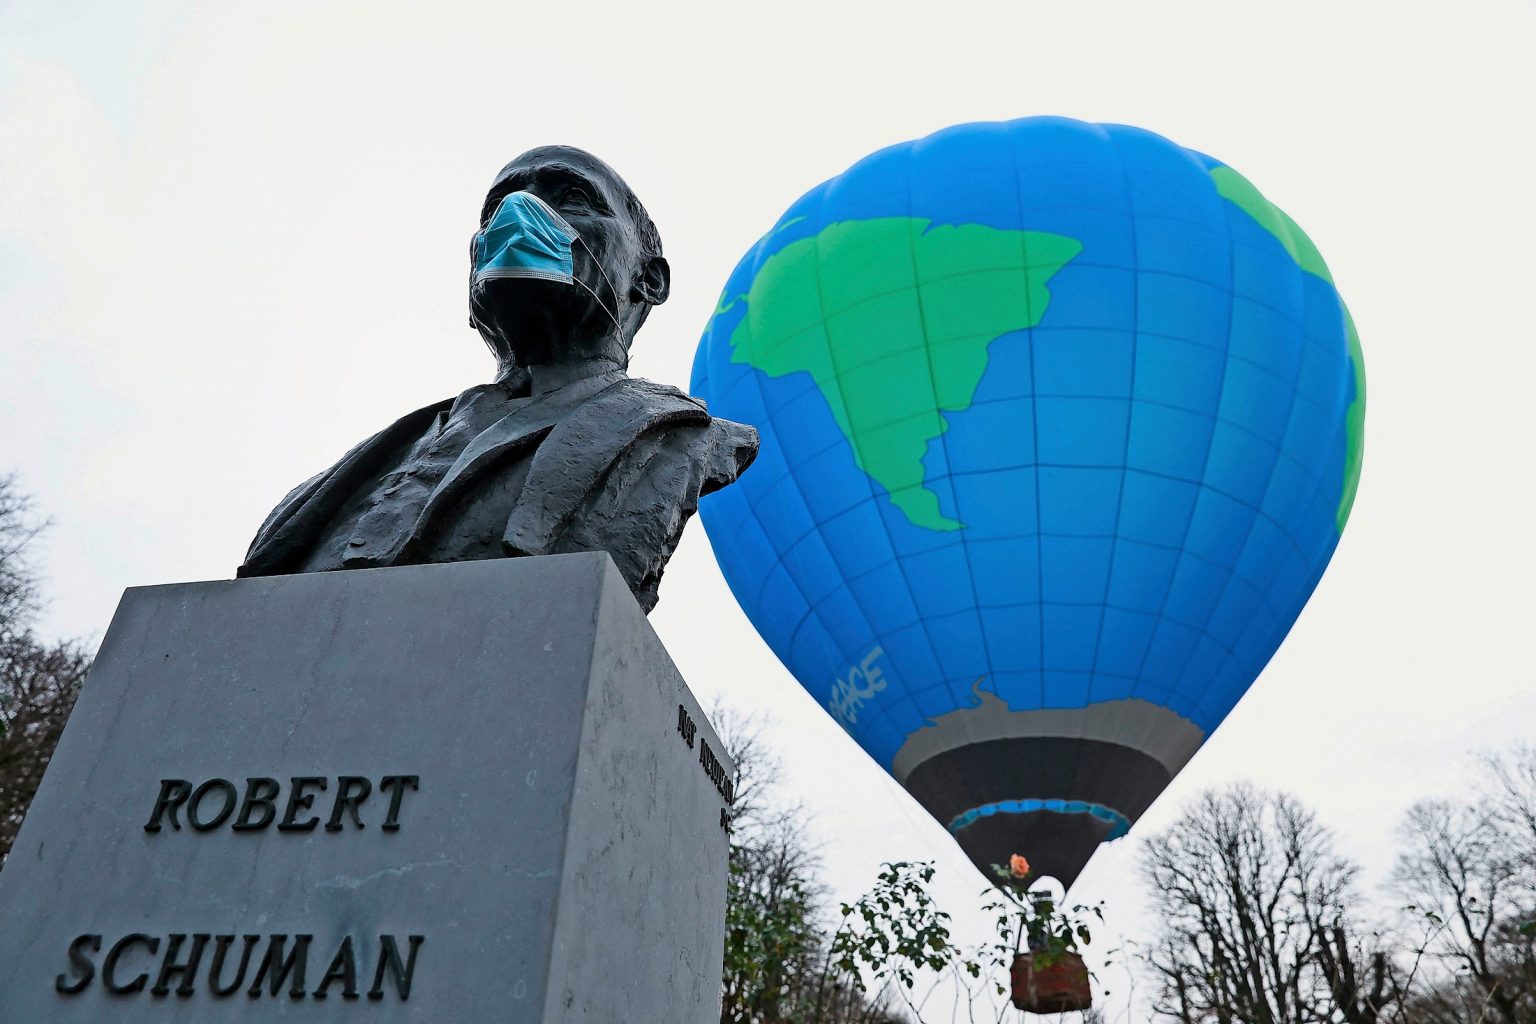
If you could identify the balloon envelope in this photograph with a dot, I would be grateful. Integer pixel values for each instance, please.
(1061, 423)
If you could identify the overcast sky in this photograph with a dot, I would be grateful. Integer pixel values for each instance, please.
(233, 242)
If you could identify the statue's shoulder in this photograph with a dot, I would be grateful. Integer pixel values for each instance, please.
(648, 396)
(667, 398)
(729, 447)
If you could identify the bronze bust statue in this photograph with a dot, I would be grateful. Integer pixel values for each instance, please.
(563, 451)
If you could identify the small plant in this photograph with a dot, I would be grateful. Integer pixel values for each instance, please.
(1029, 919)
(894, 930)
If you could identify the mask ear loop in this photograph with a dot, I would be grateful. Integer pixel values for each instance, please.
(611, 289)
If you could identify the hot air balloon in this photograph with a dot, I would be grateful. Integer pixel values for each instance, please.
(1061, 424)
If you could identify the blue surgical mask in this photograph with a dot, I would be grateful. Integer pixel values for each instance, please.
(525, 237)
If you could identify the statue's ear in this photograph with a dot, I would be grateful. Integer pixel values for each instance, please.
(654, 282)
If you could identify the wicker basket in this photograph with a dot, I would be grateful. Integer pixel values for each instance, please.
(1060, 986)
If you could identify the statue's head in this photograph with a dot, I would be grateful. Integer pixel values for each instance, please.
(567, 263)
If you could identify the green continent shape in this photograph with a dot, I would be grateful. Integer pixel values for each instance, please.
(892, 318)
(1240, 191)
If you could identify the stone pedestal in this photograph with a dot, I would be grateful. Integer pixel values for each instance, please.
(453, 793)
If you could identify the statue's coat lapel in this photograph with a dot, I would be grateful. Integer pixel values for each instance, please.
(285, 538)
(573, 462)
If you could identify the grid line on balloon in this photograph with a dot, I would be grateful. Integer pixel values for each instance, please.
(1267, 480)
(820, 524)
(809, 387)
(1133, 231)
(836, 383)
(759, 523)
(1034, 437)
(1172, 278)
(853, 580)
(935, 332)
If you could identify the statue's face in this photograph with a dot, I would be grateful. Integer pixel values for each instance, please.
(538, 321)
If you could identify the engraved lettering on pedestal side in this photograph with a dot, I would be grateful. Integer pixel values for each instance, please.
(216, 803)
(276, 966)
(688, 729)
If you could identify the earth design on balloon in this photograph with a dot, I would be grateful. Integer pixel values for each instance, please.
(1061, 423)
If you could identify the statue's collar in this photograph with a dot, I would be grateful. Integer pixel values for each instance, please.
(559, 376)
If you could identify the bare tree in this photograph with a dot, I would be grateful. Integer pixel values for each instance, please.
(1470, 867)
(773, 941)
(18, 579)
(38, 681)
(778, 966)
(1511, 797)
(1257, 925)
(38, 686)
